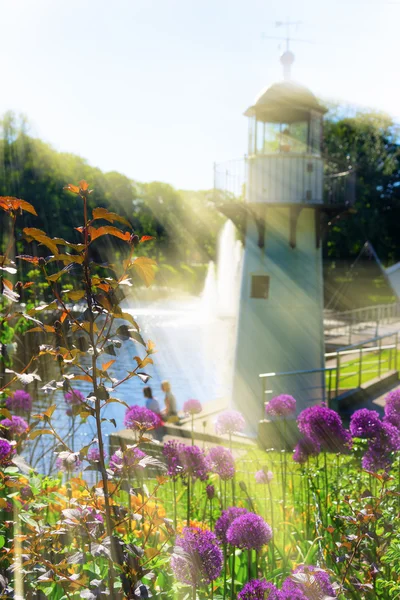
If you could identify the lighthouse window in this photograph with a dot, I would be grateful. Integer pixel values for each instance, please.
(315, 133)
(260, 286)
(260, 137)
(282, 137)
(252, 135)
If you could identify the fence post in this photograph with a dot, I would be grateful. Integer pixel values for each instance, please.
(350, 327)
(360, 368)
(329, 388)
(379, 359)
(337, 373)
(263, 399)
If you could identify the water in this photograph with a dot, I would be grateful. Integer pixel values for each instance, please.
(195, 342)
(228, 272)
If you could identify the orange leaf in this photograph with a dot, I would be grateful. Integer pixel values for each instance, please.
(31, 259)
(108, 230)
(9, 203)
(83, 185)
(84, 378)
(144, 267)
(27, 207)
(48, 328)
(38, 235)
(63, 316)
(103, 213)
(107, 365)
(72, 188)
(104, 286)
(146, 238)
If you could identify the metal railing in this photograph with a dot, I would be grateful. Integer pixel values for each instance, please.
(347, 369)
(350, 323)
(232, 177)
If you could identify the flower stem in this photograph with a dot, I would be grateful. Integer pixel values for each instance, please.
(233, 574)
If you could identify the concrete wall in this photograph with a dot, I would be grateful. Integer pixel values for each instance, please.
(285, 331)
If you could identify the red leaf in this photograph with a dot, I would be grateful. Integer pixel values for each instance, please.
(146, 238)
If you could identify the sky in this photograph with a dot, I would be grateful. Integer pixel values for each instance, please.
(156, 89)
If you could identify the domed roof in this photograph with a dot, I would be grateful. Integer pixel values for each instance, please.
(285, 102)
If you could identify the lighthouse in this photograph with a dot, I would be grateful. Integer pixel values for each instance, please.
(280, 321)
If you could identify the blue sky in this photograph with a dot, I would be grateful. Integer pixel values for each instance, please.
(156, 89)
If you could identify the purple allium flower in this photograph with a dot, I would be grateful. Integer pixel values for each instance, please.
(259, 589)
(172, 451)
(249, 531)
(93, 454)
(210, 491)
(68, 461)
(194, 462)
(230, 421)
(380, 449)
(227, 517)
(192, 407)
(141, 418)
(16, 425)
(365, 424)
(127, 459)
(19, 401)
(197, 558)
(304, 448)
(221, 461)
(263, 476)
(281, 406)
(74, 397)
(6, 451)
(324, 427)
(392, 408)
(307, 582)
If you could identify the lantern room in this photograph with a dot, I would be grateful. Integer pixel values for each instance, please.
(284, 154)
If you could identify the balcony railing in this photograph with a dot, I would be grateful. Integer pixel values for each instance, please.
(231, 179)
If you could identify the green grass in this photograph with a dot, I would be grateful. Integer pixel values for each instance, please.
(349, 371)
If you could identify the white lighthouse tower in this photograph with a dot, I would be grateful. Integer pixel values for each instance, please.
(280, 323)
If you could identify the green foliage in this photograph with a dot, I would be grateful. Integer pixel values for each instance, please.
(369, 143)
(184, 224)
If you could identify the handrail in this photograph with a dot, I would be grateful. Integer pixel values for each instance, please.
(351, 374)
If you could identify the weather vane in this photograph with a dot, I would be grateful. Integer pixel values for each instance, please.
(287, 58)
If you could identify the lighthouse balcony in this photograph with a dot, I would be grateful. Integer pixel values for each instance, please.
(288, 179)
